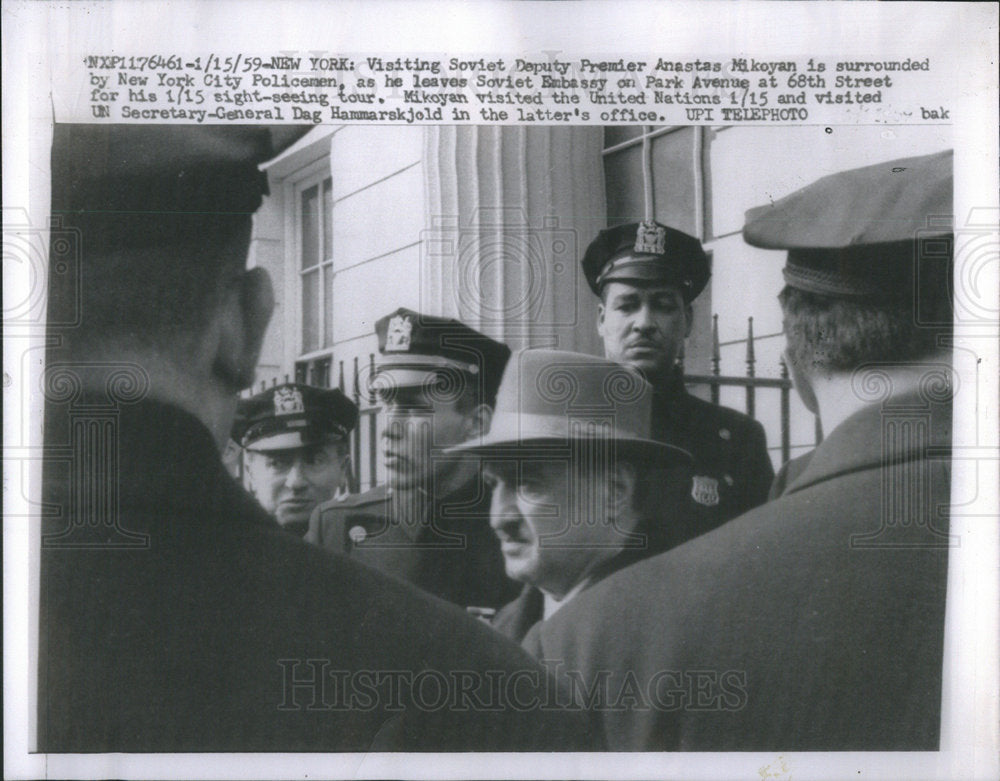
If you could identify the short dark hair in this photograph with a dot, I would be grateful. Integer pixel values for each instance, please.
(831, 334)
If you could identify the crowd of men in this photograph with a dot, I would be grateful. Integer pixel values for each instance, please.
(636, 588)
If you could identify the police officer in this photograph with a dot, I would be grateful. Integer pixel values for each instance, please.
(296, 441)
(647, 275)
(437, 380)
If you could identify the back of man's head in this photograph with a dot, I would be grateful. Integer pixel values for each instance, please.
(160, 217)
(830, 335)
(869, 264)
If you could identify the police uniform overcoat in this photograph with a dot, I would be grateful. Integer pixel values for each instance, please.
(732, 471)
(219, 632)
(449, 550)
(814, 622)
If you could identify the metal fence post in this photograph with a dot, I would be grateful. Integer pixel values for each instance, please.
(786, 414)
(716, 357)
(372, 426)
(751, 360)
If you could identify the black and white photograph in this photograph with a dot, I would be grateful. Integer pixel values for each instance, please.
(467, 442)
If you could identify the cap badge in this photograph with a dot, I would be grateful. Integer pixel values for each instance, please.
(288, 401)
(650, 238)
(397, 337)
(705, 490)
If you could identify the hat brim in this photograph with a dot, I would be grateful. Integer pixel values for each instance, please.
(388, 377)
(649, 271)
(896, 200)
(402, 361)
(290, 440)
(645, 451)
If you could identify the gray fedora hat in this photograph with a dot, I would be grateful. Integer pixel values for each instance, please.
(551, 399)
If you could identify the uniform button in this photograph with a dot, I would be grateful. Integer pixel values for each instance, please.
(357, 534)
(725, 433)
(729, 479)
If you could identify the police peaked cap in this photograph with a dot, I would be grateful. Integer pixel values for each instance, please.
(415, 349)
(149, 185)
(647, 253)
(291, 415)
(867, 233)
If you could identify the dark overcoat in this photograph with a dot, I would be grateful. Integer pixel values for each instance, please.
(814, 622)
(515, 619)
(191, 622)
(449, 551)
(786, 475)
(732, 471)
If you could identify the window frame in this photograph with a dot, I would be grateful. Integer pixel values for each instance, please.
(314, 175)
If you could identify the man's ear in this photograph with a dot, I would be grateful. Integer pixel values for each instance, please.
(477, 421)
(802, 382)
(688, 319)
(248, 471)
(600, 319)
(622, 483)
(245, 315)
(343, 485)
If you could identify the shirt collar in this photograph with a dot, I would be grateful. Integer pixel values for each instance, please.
(551, 604)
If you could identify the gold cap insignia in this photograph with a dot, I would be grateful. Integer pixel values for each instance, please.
(705, 490)
(397, 336)
(650, 238)
(288, 401)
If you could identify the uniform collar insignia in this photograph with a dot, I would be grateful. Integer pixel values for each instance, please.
(397, 337)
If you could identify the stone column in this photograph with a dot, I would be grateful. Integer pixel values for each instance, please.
(510, 211)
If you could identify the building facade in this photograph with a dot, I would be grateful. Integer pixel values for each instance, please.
(487, 224)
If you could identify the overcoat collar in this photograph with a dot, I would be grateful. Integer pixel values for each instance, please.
(851, 447)
(163, 460)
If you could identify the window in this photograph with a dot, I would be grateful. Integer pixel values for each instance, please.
(675, 170)
(316, 264)
(314, 372)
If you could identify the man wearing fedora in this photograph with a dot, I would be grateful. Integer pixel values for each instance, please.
(820, 614)
(647, 275)
(579, 489)
(436, 380)
(295, 438)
